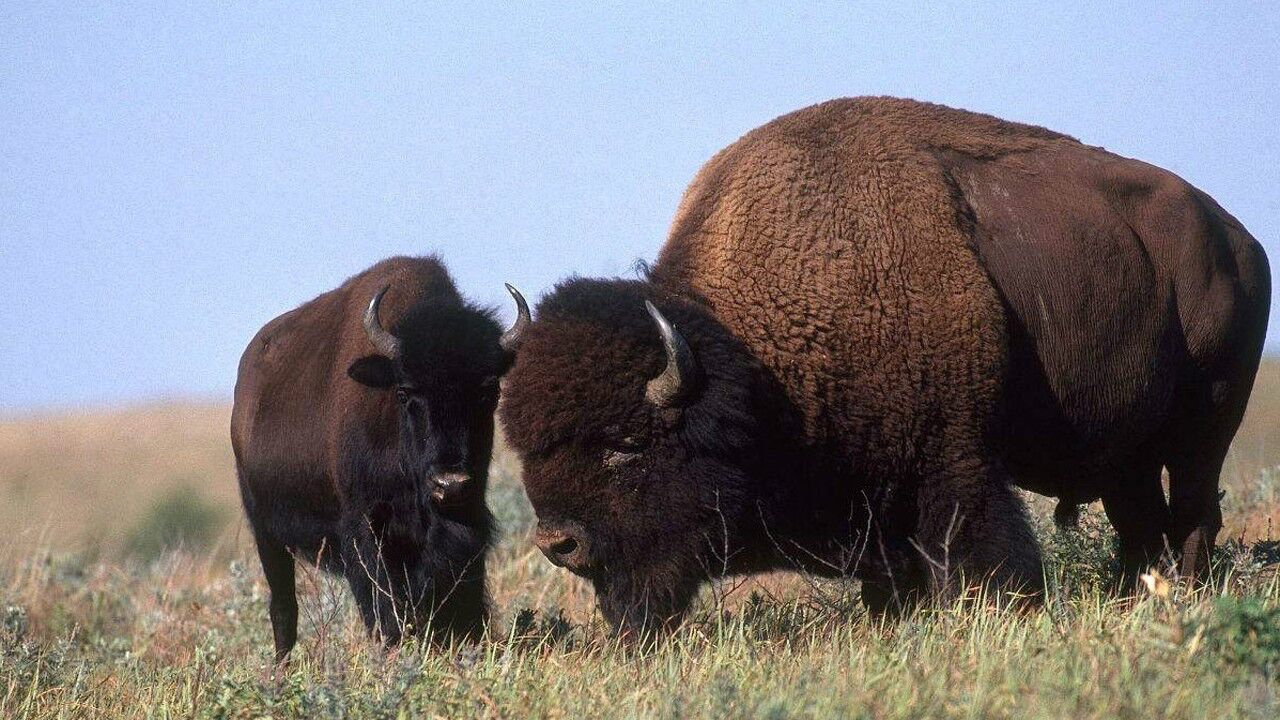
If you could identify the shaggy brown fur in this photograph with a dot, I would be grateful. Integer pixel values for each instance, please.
(343, 453)
(897, 309)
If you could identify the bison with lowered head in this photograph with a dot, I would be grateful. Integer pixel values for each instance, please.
(870, 318)
(362, 429)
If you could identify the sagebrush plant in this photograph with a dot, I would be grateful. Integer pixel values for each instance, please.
(1080, 558)
(1241, 631)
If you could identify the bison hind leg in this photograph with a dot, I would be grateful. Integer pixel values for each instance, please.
(1134, 502)
(278, 566)
(1195, 506)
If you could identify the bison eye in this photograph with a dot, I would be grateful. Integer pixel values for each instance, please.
(402, 396)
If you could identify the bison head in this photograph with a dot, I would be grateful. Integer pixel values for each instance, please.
(632, 411)
(441, 364)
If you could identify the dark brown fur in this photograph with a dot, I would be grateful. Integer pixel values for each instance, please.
(328, 467)
(898, 309)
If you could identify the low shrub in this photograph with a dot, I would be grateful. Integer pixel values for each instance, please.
(182, 518)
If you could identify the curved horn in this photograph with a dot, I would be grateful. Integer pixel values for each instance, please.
(676, 380)
(510, 339)
(382, 340)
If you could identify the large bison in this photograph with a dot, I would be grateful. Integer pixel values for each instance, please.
(871, 317)
(362, 429)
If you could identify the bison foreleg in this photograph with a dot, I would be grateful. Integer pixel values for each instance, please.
(376, 590)
(457, 606)
(973, 529)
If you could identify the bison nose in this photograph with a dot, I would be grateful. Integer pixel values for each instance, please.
(565, 544)
(448, 487)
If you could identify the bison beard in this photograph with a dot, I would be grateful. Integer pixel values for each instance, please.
(895, 311)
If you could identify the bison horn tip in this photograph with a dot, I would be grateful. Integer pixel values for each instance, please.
(676, 380)
(383, 341)
(510, 340)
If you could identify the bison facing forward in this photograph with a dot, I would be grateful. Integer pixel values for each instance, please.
(870, 318)
(365, 448)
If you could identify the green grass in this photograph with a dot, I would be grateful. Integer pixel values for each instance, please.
(187, 636)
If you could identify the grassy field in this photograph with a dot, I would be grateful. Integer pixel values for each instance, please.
(101, 617)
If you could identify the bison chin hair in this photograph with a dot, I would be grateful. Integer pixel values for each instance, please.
(650, 575)
(641, 609)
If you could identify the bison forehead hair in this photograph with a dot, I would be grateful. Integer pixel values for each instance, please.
(583, 366)
(449, 341)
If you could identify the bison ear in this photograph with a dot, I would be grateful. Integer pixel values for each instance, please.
(376, 371)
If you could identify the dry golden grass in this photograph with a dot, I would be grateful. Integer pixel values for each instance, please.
(83, 480)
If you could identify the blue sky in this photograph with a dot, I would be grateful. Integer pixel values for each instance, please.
(173, 176)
